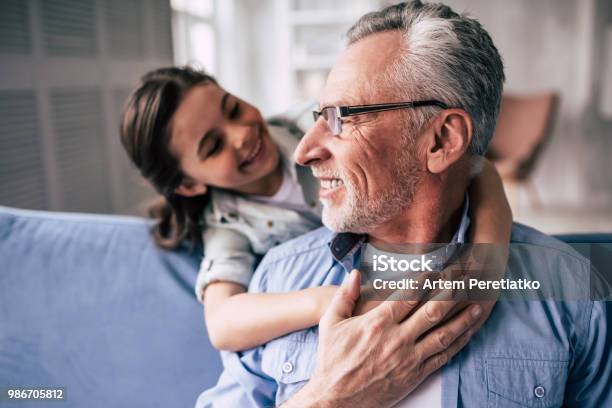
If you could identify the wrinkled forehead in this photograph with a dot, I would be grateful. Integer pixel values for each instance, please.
(356, 78)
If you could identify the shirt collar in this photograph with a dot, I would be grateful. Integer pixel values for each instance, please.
(346, 243)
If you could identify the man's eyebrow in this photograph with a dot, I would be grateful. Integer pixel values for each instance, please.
(327, 104)
(345, 101)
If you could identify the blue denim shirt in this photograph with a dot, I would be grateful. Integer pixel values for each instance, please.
(528, 353)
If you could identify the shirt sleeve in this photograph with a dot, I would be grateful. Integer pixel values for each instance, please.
(242, 383)
(227, 257)
(590, 383)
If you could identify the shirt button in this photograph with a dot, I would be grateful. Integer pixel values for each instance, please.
(270, 223)
(287, 367)
(539, 391)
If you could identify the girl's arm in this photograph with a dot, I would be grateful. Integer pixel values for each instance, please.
(238, 321)
(491, 219)
(490, 212)
(492, 225)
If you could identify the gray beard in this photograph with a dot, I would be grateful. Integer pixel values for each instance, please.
(360, 214)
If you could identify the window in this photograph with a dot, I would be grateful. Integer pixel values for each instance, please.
(193, 24)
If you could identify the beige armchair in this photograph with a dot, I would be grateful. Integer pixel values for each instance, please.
(524, 126)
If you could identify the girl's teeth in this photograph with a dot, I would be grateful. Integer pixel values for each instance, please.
(255, 151)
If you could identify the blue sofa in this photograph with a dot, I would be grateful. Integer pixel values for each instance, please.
(90, 304)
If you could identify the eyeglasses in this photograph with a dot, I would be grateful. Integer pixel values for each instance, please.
(333, 114)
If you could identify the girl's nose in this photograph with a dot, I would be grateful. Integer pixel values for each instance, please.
(238, 135)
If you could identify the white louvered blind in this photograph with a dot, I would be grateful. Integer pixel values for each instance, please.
(69, 27)
(15, 35)
(162, 31)
(22, 178)
(80, 149)
(124, 27)
(66, 68)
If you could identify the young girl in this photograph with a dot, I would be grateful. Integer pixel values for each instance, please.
(227, 177)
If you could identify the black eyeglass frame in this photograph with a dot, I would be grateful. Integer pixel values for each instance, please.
(345, 111)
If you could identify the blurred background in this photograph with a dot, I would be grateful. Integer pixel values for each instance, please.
(68, 65)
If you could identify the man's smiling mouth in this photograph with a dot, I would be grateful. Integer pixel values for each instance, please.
(330, 187)
(330, 184)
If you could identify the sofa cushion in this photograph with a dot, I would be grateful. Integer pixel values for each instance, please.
(89, 303)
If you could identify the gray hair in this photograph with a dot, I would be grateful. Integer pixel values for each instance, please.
(445, 56)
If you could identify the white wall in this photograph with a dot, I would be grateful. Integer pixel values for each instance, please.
(553, 45)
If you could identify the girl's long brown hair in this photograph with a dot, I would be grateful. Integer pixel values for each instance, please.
(145, 135)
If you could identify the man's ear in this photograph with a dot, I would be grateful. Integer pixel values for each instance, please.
(452, 134)
(190, 188)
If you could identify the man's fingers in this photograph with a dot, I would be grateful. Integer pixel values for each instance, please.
(402, 302)
(441, 338)
(439, 360)
(430, 314)
(344, 300)
(487, 308)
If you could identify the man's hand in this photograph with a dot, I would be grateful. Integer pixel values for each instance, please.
(376, 359)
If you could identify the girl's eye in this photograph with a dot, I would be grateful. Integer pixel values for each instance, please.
(235, 112)
(215, 148)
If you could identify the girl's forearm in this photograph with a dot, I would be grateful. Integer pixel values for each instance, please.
(239, 321)
(491, 224)
(490, 212)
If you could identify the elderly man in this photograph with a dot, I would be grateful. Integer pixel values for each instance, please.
(405, 112)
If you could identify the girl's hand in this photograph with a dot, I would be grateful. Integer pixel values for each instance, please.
(321, 297)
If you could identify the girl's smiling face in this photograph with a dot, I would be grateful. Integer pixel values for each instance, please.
(222, 141)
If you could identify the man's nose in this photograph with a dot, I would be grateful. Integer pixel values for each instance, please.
(312, 148)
